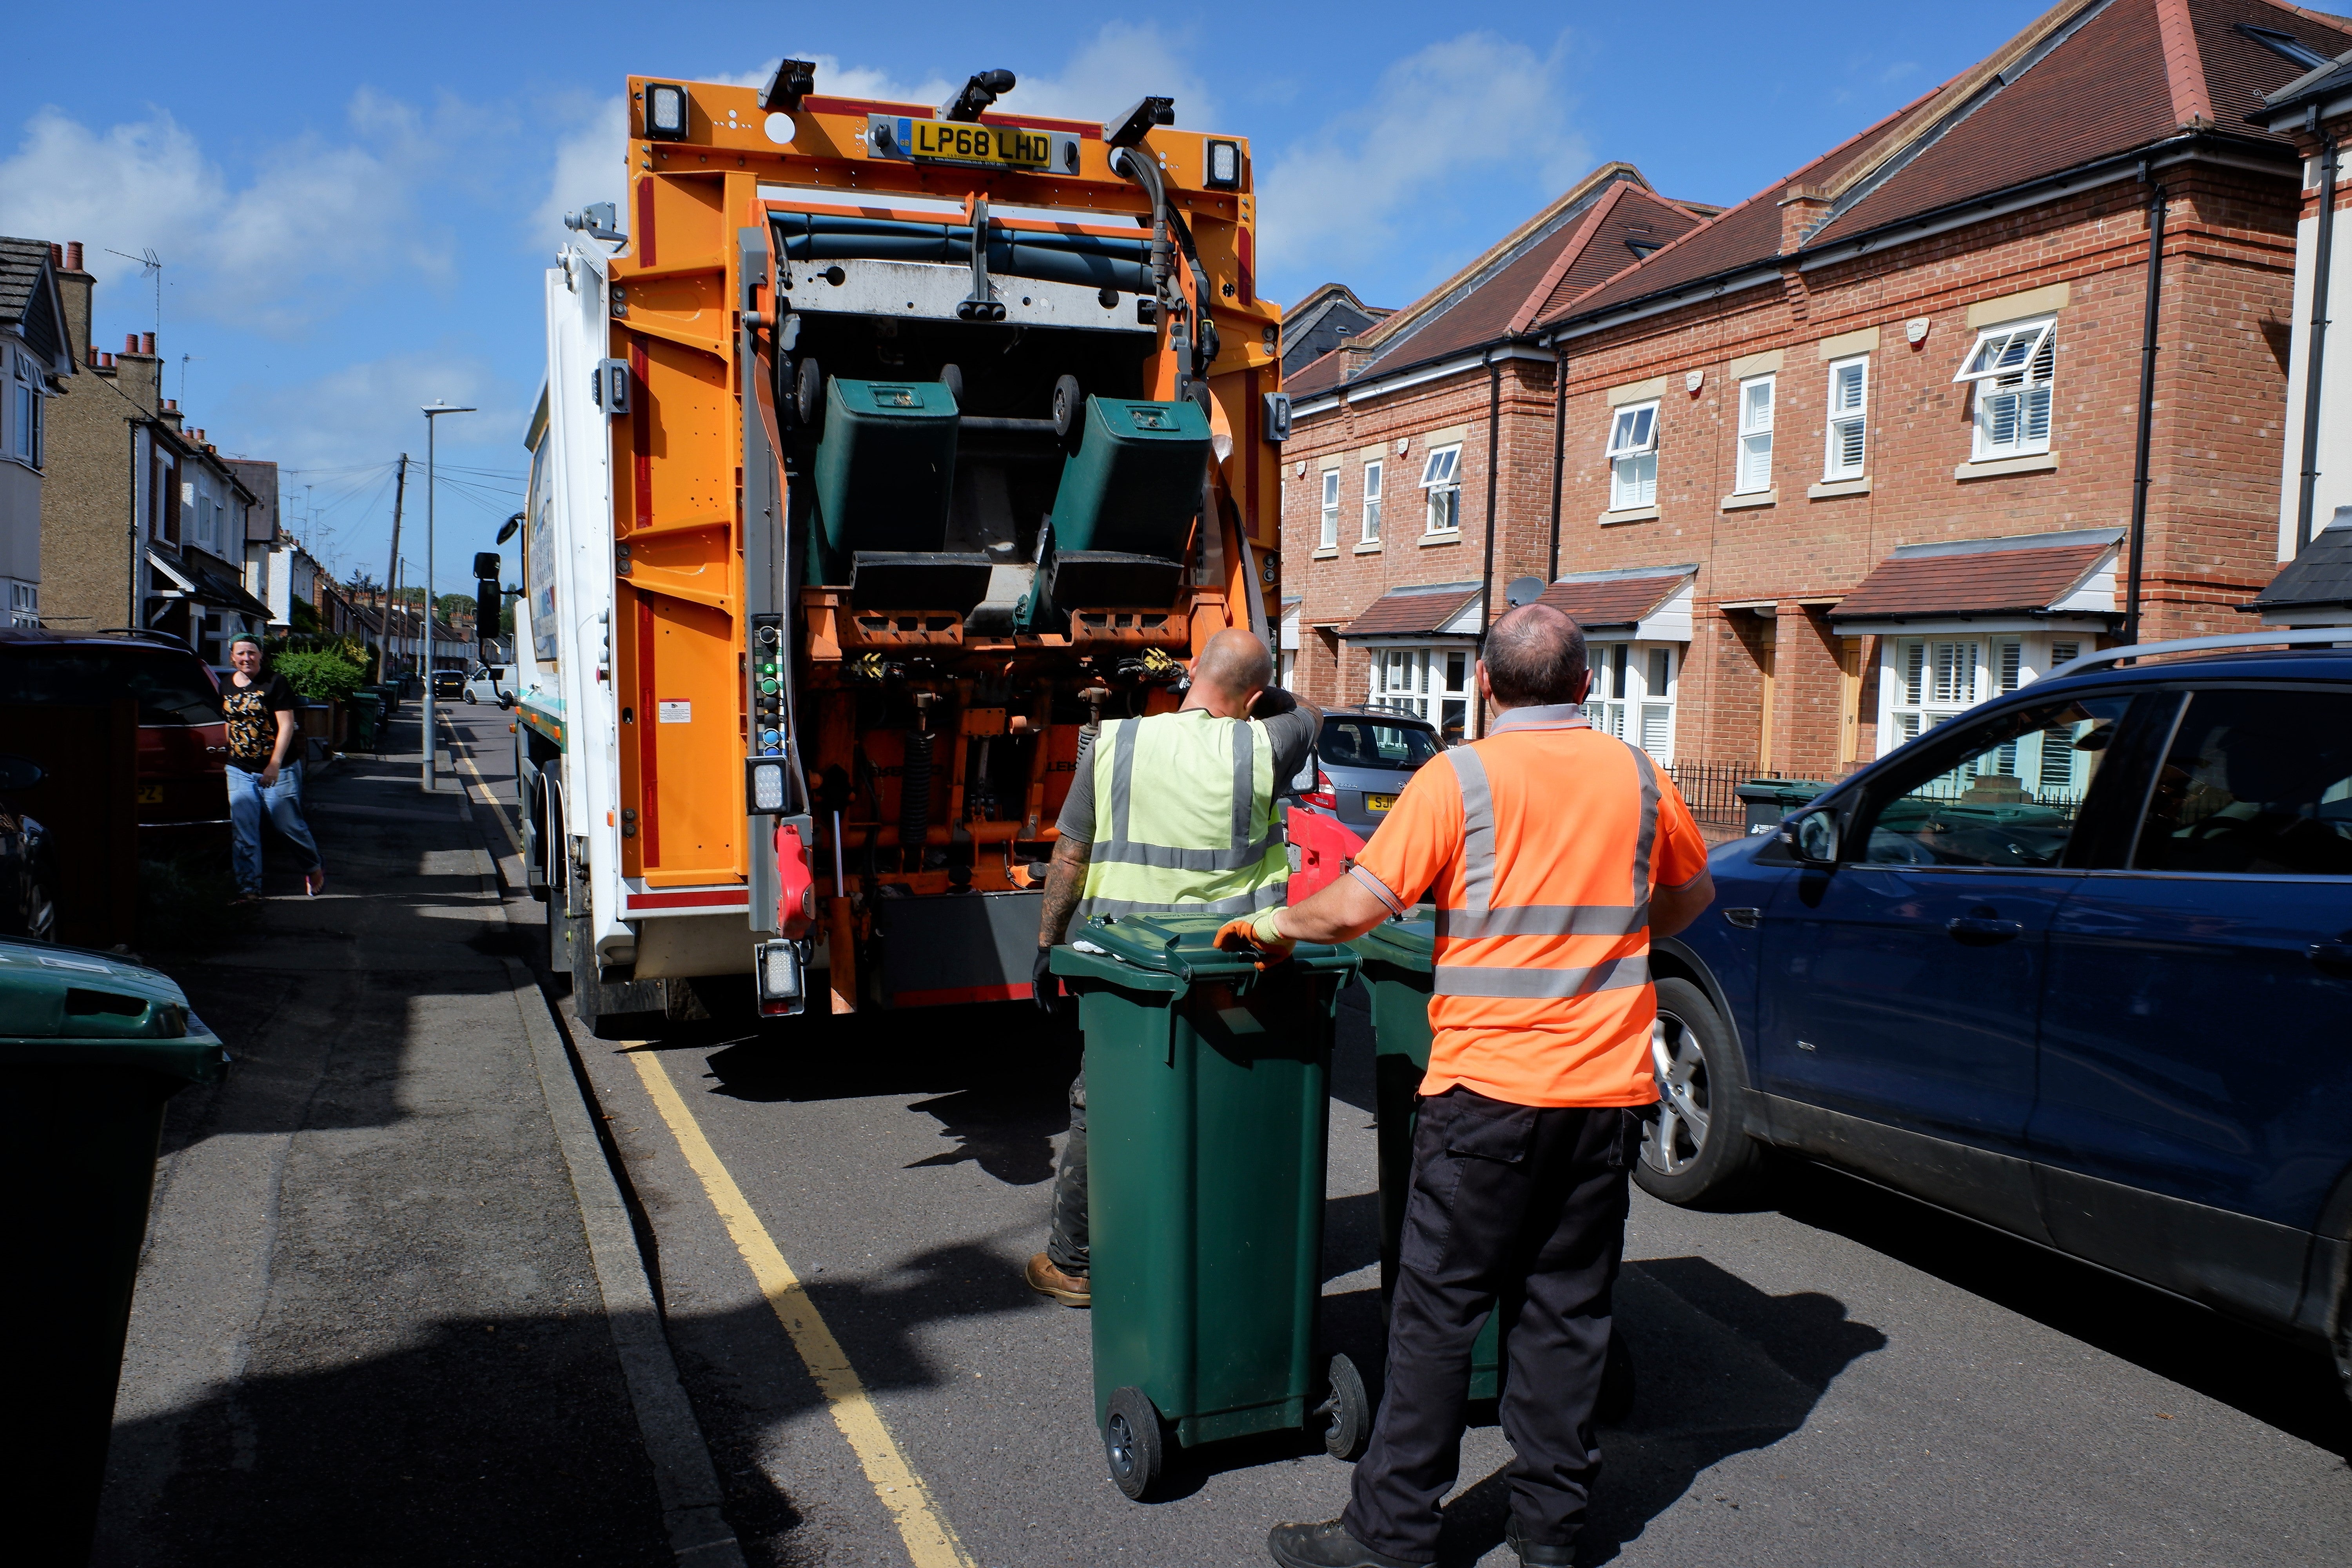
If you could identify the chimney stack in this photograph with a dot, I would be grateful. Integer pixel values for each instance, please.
(73, 256)
(1803, 210)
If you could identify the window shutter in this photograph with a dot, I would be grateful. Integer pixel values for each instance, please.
(1915, 657)
(2012, 659)
(1656, 723)
(1850, 444)
(2064, 653)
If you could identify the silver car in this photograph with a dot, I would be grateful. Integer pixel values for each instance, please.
(1361, 763)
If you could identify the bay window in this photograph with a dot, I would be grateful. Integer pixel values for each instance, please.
(1926, 681)
(1433, 682)
(1634, 686)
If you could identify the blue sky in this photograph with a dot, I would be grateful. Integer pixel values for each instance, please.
(354, 205)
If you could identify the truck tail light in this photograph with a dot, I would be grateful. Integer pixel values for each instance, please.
(778, 971)
(1322, 794)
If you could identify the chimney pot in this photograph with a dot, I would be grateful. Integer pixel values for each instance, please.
(106, 360)
(56, 255)
(147, 342)
(73, 256)
(172, 403)
(130, 343)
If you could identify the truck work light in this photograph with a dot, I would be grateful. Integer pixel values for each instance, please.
(778, 971)
(1222, 169)
(984, 89)
(664, 112)
(1130, 128)
(767, 792)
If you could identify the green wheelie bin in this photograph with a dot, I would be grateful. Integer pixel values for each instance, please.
(92, 1044)
(1398, 959)
(1208, 1112)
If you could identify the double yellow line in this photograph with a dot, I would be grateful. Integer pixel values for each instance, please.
(930, 1543)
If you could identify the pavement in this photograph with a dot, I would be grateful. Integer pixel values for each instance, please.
(370, 1324)
(832, 1214)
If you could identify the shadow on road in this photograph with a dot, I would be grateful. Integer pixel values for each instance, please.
(2278, 1384)
(1724, 1368)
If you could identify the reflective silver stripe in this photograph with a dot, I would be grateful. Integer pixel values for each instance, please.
(1648, 834)
(1378, 889)
(1543, 920)
(1477, 828)
(1247, 903)
(1522, 983)
(1244, 791)
(1545, 716)
(1122, 771)
(1168, 857)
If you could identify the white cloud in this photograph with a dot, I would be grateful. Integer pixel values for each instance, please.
(317, 220)
(1465, 107)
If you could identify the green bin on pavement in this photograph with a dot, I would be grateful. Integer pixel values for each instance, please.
(92, 1044)
(367, 720)
(1396, 962)
(1766, 801)
(1208, 1111)
(1398, 956)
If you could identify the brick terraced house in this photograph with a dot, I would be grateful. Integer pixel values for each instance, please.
(1834, 463)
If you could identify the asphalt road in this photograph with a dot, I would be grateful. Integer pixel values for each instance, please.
(1838, 1376)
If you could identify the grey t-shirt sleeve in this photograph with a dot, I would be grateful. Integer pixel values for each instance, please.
(1078, 818)
(1293, 735)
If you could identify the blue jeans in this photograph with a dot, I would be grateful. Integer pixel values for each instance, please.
(282, 801)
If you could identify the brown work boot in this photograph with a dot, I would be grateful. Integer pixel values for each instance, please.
(1069, 1290)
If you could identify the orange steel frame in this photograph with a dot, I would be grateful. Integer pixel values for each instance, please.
(679, 616)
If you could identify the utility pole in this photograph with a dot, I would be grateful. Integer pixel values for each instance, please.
(431, 413)
(392, 571)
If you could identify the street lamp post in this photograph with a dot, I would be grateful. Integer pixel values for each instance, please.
(432, 412)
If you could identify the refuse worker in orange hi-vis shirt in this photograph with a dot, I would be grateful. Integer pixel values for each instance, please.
(1553, 853)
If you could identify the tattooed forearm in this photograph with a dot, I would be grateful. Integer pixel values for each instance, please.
(1065, 880)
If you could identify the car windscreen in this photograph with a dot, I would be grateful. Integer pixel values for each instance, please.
(170, 688)
(1355, 743)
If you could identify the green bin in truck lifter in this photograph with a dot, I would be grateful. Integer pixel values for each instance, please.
(92, 1044)
(1208, 1109)
(1398, 957)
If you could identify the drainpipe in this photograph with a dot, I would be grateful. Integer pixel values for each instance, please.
(1559, 447)
(132, 591)
(2322, 261)
(1493, 448)
(2156, 202)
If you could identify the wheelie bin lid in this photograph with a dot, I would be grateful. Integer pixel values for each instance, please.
(1408, 941)
(1782, 792)
(1168, 953)
(67, 1007)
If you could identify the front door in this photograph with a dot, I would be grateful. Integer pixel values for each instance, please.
(2197, 1039)
(1901, 987)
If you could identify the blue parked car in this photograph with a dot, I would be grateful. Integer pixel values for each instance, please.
(2076, 964)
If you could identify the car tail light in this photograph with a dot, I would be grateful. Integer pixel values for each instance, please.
(1323, 795)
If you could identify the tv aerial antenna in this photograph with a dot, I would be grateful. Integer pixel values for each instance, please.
(149, 266)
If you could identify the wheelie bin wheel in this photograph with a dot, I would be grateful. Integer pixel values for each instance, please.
(1133, 1444)
(1351, 1412)
(1617, 1383)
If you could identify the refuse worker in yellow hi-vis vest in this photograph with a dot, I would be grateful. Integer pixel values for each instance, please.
(1171, 812)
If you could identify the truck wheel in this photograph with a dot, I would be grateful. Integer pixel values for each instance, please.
(1698, 1149)
(1351, 1429)
(1134, 1445)
(1617, 1383)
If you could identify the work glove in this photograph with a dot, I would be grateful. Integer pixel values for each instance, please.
(1260, 934)
(1044, 986)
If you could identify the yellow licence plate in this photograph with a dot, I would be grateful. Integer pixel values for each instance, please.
(1009, 145)
(151, 795)
(1378, 802)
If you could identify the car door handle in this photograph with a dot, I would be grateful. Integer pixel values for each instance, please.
(2331, 958)
(1974, 930)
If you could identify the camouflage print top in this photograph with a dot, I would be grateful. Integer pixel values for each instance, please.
(253, 719)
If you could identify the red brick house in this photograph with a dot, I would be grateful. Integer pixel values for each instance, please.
(1861, 450)
(1391, 479)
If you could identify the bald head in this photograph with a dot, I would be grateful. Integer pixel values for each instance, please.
(1235, 665)
(1535, 655)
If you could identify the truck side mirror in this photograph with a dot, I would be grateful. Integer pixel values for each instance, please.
(1813, 836)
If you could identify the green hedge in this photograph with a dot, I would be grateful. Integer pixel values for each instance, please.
(321, 675)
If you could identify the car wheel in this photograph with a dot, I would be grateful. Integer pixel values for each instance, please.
(1695, 1150)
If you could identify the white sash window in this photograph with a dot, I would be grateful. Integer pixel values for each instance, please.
(1848, 420)
(1634, 456)
(1756, 396)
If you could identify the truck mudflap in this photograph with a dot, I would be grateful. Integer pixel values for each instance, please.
(957, 947)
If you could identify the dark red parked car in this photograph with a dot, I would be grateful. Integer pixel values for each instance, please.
(183, 790)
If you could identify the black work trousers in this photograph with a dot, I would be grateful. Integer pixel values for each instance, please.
(1068, 1247)
(1519, 1210)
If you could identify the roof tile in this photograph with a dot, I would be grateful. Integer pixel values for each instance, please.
(1408, 612)
(1931, 580)
(1613, 599)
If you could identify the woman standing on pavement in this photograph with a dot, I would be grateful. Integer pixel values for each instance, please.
(260, 780)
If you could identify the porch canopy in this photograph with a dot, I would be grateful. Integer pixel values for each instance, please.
(2023, 583)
